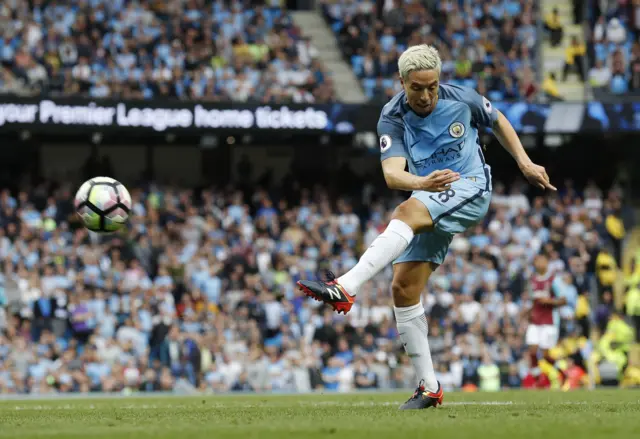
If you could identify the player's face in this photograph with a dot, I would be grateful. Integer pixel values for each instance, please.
(421, 88)
(541, 263)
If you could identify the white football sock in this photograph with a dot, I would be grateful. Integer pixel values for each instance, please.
(383, 250)
(413, 331)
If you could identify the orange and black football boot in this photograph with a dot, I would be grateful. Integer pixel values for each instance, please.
(422, 399)
(329, 292)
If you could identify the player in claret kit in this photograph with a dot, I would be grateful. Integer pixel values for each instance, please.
(542, 333)
(431, 129)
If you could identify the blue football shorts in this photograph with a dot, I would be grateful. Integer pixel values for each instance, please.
(453, 211)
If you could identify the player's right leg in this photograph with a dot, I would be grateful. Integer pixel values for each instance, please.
(409, 280)
(410, 218)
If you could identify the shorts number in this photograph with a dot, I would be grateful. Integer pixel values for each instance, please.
(445, 196)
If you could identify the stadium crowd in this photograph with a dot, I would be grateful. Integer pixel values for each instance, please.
(198, 293)
(487, 45)
(614, 49)
(210, 50)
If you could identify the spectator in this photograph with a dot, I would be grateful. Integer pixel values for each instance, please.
(576, 376)
(599, 75)
(554, 26)
(599, 29)
(574, 59)
(489, 374)
(616, 33)
(363, 377)
(195, 49)
(634, 64)
(635, 15)
(468, 39)
(619, 80)
(550, 87)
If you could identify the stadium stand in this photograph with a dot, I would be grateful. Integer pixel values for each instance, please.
(196, 49)
(199, 293)
(614, 49)
(564, 65)
(490, 46)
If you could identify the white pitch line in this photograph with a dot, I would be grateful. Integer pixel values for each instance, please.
(220, 405)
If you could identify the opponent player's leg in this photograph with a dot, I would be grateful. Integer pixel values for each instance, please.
(532, 339)
(409, 279)
(549, 340)
(533, 357)
(410, 218)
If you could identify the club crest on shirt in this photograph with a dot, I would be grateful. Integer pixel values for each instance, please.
(385, 143)
(456, 129)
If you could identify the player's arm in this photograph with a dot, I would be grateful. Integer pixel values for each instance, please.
(510, 141)
(551, 301)
(545, 300)
(540, 298)
(398, 178)
(483, 113)
(394, 162)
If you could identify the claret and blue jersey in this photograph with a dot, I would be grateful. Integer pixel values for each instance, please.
(445, 139)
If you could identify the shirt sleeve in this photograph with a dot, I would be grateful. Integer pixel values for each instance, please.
(391, 134)
(482, 111)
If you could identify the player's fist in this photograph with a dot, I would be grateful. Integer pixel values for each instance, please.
(439, 181)
(537, 176)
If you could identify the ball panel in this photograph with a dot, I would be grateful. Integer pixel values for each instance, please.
(90, 218)
(106, 180)
(125, 197)
(82, 193)
(118, 215)
(111, 225)
(103, 196)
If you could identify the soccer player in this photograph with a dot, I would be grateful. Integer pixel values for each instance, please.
(542, 333)
(431, 129)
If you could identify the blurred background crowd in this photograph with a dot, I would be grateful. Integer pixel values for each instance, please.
(487, 45)
(196, 49)
(199, 292)
(221, 50)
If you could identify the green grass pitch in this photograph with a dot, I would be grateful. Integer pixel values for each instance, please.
(607, 414)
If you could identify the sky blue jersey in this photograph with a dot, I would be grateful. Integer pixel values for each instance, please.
(445, 139)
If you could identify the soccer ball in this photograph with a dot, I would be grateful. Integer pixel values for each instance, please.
(103, 204)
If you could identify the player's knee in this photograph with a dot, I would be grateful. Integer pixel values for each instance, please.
(405, 295)
(415, 214)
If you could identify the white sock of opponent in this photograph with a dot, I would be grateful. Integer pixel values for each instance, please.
(383, 250)
(413, 330)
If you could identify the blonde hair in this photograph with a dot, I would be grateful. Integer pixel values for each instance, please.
(417, 58)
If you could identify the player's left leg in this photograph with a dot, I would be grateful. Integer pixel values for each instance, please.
(549, 340)
(409, 280)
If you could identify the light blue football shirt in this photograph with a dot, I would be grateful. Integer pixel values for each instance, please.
(445, 139)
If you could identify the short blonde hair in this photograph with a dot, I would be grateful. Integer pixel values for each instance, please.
(417, 58)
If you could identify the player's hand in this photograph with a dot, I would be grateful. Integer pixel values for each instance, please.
(439, 181)
(537, 176)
